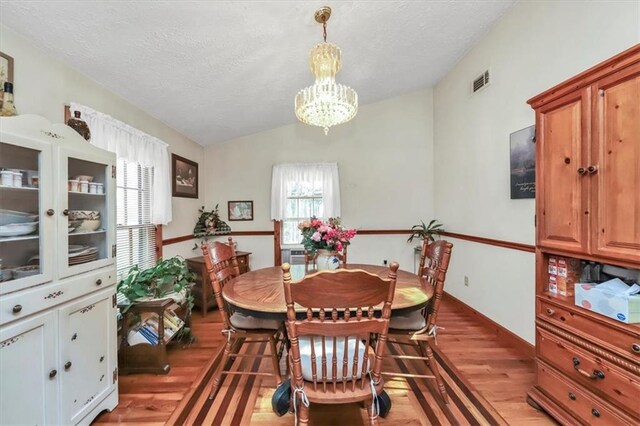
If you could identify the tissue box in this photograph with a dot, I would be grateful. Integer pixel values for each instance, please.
(622, 308)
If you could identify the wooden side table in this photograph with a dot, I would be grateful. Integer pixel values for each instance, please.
(202, 291)
(145, 357)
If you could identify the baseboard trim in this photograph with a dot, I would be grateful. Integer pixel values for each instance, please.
(503, 334)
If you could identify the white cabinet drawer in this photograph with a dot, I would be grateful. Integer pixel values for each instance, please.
(30, 301)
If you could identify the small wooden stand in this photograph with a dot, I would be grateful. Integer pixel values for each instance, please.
(142, 357)
(202, 291)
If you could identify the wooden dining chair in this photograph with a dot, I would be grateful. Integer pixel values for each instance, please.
(332, 357)
(419, 328)
(222, 266)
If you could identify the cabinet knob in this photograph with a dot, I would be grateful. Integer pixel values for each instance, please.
(597, 374)
(53, 373)
(99, 281)
(582, 171)
(17, 309)
(572, 396)
(51, 212)
(65, 212)
(595, 412)
(67, 365)
(550, 311)
(636, 348)
(592, 169)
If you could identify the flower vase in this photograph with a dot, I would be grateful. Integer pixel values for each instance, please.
(327, 260)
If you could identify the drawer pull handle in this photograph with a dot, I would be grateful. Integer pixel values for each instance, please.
(572, 396)
(53, 373)
(98, 281)
(51, 212)
(597, 374)
(592, 169)
(67, 365)
(636, 348)
(16, 309)
(550, 311)
(65, 212)
(595, 412)
(582, 171)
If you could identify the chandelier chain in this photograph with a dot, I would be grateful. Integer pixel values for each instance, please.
(324, 31)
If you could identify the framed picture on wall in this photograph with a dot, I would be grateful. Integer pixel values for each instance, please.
(523, 163)
(240, 210)
(184, 177)
(6, 71)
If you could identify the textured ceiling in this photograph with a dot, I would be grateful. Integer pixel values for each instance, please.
(217, 70)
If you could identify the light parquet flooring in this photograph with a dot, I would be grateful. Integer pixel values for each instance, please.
(500, 373)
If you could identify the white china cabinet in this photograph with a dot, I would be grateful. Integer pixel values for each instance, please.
(57, 275)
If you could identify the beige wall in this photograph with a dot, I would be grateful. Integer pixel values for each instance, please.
(533, 47)
(43, 85)
(386, 180)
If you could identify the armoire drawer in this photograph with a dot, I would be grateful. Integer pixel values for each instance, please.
(585, 406)
(596, 375)
(616, 339)
(24, 303)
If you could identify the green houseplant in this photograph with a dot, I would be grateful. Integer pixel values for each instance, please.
(426, 232)
(166, 277)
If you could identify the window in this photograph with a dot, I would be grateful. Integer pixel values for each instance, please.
(304, 199)
(136, 234)
(300, 191)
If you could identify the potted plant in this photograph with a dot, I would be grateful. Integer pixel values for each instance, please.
(426, 232)
(167, 277)
(326, 239)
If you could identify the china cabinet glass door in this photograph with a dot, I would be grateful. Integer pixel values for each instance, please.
(26, 214)
(86, 227)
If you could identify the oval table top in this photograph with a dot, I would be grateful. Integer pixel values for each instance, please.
(261, 293)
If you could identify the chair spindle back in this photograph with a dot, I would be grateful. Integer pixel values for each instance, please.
(434, 263)
(222, 266)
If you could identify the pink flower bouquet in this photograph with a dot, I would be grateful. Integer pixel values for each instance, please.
(329, 235)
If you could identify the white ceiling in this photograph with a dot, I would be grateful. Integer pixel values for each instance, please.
(217, 70)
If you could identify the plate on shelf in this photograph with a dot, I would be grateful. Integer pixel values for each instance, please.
(11, 217)
(83, 253)
(25, 271)
(17, 229)
(83, 259)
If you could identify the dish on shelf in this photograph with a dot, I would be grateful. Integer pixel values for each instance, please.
(11, 217)
(6, 275)
(25, 271)
(85, 251)
(88, 226)
(17, 229)
(85, 178)
(84, 215)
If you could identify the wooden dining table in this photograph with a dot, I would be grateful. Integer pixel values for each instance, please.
(260, 293)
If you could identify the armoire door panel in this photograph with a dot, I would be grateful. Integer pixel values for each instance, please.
(562, 174)
(616, 227)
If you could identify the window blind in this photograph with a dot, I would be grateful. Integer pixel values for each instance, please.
(136, 234)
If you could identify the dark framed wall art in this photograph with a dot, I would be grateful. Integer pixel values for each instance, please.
(184, 177)
(522, 156)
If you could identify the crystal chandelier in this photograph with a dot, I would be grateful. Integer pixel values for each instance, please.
(325, 103)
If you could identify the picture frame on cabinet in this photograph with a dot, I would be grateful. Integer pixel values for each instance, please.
(184, 177)
(240, 210)
(6, 71)
(522, 156)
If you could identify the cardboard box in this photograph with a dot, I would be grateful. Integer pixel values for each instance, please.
(625, 309)
(553, 286)
(569, 271)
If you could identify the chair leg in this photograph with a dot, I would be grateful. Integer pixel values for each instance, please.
(275, 359)
(372, 414)
(436, 372)
(220, 368)
(423, 351)
(303, 414)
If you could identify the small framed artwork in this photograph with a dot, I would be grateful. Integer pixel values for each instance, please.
(184, 177)
(240, 210)
(6, 71)
(523, 163)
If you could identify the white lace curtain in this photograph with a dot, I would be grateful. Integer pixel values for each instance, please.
(132, 144)
(326, 173)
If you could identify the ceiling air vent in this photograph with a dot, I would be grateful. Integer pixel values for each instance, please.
(481, 81)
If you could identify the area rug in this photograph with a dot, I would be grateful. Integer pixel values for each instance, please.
(246, 400)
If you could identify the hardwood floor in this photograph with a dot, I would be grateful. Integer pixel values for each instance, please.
(501, 373)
